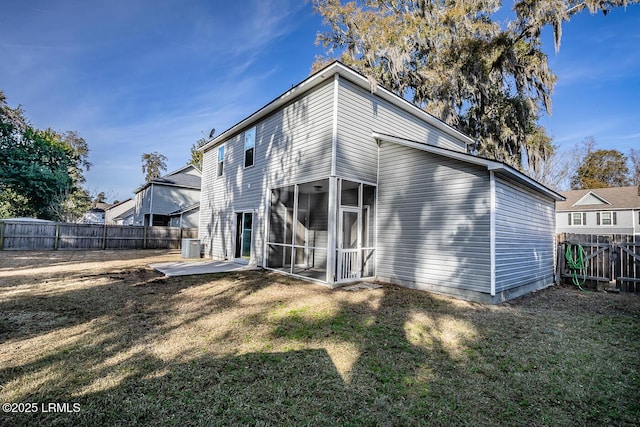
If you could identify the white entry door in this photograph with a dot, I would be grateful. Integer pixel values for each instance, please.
(349, 263)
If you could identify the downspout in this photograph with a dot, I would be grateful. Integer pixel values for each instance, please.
(492, 231)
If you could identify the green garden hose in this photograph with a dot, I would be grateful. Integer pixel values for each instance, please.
(579, 264)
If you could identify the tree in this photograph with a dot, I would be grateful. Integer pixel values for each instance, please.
(80, 150)
(551, 170)
(196, 155)
(13, 204)
(634, 157)
(70, 206)
(100, 198)
(38, 168)
(489, 80)
(600, 169)
(153, 164)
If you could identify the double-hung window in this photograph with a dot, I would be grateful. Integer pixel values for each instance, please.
(249, 147)
(220, 160)
(577, 218)
(606, 218)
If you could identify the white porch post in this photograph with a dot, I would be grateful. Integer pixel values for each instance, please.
(332, 228)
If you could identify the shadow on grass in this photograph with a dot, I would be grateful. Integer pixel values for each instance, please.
(262, 354)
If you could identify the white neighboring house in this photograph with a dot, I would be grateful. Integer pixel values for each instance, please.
(95, 215)
(599, 211)
(120, 213)
(158, 200)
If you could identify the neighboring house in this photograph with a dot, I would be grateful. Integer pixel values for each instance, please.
(157, 200)
(187, 217)
(121, 213)
(336, 181)
(95, 215)
(599, 211)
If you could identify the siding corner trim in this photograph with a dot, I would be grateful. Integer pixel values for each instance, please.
(492, 231)
(334, 131)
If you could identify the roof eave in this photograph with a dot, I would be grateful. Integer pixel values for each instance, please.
(324, 75)
(491, 165)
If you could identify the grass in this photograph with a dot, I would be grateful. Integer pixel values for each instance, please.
(132, 347)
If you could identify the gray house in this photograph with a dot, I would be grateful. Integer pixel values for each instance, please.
(599, 211)
(338, 181)
(162, 201)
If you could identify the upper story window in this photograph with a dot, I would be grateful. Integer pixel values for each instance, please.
(249, 147)
(606, 218)
(578, 218)
(220, 160)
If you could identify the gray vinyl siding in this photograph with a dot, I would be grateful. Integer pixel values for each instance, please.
(625, 221)
(433, 221)
(167, 199)
(186, 220)
(142, 205)
(525, 236)
(161, 199)
(292, 145)
(359, 114)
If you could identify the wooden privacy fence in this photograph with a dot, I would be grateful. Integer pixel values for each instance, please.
(53, 236)
(610, 261)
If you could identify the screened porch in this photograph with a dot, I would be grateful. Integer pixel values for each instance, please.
(311, 237)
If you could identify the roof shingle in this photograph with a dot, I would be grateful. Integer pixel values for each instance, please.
(617, 197)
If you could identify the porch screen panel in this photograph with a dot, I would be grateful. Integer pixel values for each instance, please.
(298, 229)
(349, 193)
(368, 237)
(280, 227)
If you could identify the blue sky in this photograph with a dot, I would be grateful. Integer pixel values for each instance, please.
(137, 76)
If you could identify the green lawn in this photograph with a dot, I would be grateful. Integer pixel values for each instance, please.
(130, 347)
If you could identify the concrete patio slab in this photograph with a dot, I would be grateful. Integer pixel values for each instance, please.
(171, 269)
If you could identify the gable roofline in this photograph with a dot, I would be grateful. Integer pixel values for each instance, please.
(115, 205)
(188, 165)
(349, 74)
(126, 214)
(166, 184)
(491, 165)
(591, 193)
(159, 180)
(617, 198)
(185, 209)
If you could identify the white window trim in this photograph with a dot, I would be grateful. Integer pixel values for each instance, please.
(219, 169)
(582, 219)
(600, 219)
(249, 135)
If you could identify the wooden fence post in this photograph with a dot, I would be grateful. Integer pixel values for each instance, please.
(57, 237)
(144, 240)
(559, 263)
(2, 235)
(104, 237)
